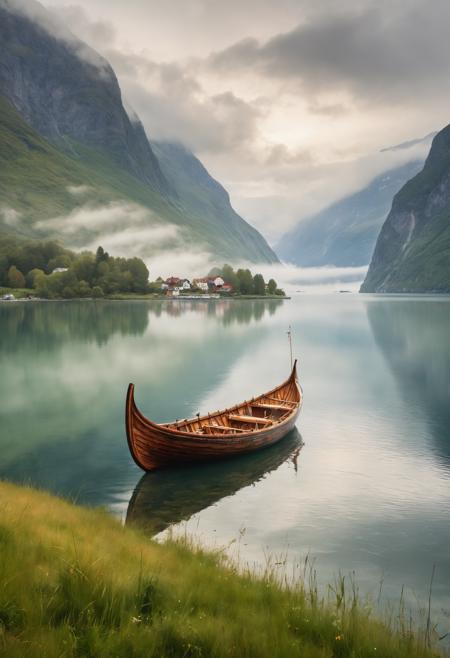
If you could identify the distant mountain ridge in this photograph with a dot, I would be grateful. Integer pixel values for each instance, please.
(63, 127)
(412, 253)
(344, 234)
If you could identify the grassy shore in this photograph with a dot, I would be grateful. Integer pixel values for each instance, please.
(74, 582)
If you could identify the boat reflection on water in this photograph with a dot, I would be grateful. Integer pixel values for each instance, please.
(165, 497)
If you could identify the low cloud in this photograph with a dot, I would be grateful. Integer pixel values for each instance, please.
(93, 217)
(290, 116)
(123, 228)
(129, 229)
(79, 190)
(52, 22)
(10, 216)
(135, 241)
(293, 278)
(181, 262)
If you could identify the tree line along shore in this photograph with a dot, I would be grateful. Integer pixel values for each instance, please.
(47, 270)
(75, 582)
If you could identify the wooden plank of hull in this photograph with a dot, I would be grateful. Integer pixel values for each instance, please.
(153, 445)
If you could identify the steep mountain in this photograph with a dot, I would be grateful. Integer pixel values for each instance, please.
(344, 234)
(67, 145)
(68, 93)
(412, 253)
(200, 195)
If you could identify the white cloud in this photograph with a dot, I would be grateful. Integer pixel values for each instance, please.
(313, 279)
(283, 141)
(129, 229)
(92, 217)
(10, 216)
(79, 190)
(287, 125)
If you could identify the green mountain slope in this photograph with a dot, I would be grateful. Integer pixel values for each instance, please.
(345, 233)
(75, 167)
(412, 253)
(203, 199)
(36, 178)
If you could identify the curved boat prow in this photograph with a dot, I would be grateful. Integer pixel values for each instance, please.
(294, 370)
(245, 427)
(130, 414)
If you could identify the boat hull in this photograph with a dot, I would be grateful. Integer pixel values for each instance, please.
(155, 446)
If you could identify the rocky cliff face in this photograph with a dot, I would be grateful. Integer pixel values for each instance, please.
(68, 146)
(412, 253)
(69, 93)
(345, 233)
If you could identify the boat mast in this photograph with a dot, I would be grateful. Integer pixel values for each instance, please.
(289, 333)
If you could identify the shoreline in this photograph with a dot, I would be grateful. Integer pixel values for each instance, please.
(126, 297)
(80, 583)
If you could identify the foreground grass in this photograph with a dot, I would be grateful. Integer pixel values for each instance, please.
(74, 582)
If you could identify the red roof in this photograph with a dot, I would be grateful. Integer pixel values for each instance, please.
(172, 281)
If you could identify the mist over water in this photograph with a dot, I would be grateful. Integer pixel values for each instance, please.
(370, 489)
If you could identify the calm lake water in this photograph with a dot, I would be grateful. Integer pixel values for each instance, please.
(370, 489)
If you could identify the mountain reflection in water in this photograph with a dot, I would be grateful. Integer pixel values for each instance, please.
(414, 338)
(169, 496)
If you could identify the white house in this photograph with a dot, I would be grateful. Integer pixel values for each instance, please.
(186, 285)
(218, 282)
(58, 270)
(202, 284)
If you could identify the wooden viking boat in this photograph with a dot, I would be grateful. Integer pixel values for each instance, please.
(253, 424)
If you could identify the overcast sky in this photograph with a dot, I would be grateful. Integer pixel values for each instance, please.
(287, 102)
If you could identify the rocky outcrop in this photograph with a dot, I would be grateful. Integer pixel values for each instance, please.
(412, 253)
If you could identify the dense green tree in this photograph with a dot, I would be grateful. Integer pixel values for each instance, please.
(62, 260)
(229, 276)
(83, 289)
(97, 292)
(31, 277)
(4, 265)
(15, 278)
(272, 287)
(84, 266)
(139, 274)
(101, 255)
(41, 285)
(259, 285)
(215, 271)
(245, 280)
(85, 271)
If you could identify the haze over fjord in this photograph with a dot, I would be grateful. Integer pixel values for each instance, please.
(287, 103)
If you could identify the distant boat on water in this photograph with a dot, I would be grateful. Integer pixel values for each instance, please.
(245, 427)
